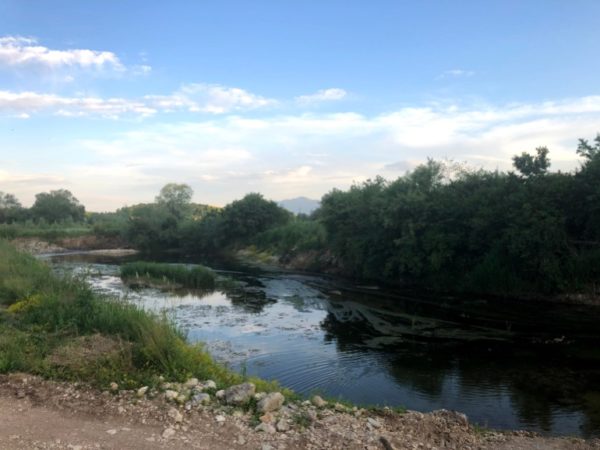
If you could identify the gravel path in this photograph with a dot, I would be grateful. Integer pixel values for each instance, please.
(38, 414)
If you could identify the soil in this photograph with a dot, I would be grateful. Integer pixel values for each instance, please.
(41, 414)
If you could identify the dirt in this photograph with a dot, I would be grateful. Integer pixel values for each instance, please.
(41, 414)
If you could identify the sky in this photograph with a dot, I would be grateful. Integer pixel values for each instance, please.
(113, 99)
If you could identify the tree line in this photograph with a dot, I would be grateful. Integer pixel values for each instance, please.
(441, 226)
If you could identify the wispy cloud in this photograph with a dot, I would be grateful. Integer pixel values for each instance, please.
(323, 95)
(456, 73)
(17, 51)
(192, 98)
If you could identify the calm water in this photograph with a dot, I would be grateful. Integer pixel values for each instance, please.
(508, 365)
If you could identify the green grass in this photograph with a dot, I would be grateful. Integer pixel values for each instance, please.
(58, 328)
(197, 277)
(50, 232)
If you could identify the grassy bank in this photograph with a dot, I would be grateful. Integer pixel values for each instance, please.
(49, 232)
(58, 328)
(198, 277)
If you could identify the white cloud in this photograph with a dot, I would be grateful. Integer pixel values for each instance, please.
(195, 98)
(324, 95)
(26, 103)
(17, 51)
(456, 73)
(290, 155)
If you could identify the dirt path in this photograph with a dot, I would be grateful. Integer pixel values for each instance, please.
(38, 414)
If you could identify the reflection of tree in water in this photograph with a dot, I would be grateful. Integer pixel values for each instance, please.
(534, 376)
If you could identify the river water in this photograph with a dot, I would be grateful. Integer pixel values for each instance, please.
(506, 364)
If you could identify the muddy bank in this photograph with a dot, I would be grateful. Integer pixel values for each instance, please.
(53, 415)
(107, 245)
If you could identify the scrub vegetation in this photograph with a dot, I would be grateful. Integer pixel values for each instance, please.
(58, 328)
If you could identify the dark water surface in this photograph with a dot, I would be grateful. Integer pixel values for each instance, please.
(507, 365)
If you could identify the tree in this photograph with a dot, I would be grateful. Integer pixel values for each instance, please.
(10, 208)
(176, 198)
(243, 219)
(57, 206)
(529, 165)
(588, 151)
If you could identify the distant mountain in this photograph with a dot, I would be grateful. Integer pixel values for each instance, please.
(300, 205)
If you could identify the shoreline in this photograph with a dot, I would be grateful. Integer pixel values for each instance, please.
(62, 415)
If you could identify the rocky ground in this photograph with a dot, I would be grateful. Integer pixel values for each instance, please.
(39, 414)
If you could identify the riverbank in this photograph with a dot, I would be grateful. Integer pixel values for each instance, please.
(89, 242)
(324, 262)
(58, 415)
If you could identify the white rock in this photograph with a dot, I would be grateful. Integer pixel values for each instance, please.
(373, 422)
(175, 415)
(318, 401)
(114, 386)
(192, 382)
(112, 432)
(282, 425)
(142, 391)
(271, 402)
(220, 418)
(200, 399)
(169, 432)
(209, 384)
(266, 427)
(220, 394)
(181, 398)
(239, 394)
(171, 395)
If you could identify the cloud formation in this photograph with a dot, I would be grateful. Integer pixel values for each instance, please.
(456, 73)
(17, 51)
(323, 95)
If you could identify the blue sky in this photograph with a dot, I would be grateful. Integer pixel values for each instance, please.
(114, 99)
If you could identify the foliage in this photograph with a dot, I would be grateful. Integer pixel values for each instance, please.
(197, 277)
(57, 206)
(296, 236)
(176, 198)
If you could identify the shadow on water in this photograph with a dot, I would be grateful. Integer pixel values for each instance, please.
(505, 364)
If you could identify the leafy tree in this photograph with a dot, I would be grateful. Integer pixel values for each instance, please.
(243, 219)
(588, 151)
(10, 208)
(176, 198)
(529, 165)
(57, 206)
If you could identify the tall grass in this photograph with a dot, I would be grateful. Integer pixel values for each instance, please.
(49, 232)
(198, 277)
(46, 316)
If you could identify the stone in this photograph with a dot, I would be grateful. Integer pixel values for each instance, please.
(271, 402)
(171, 395)
(266, 428)
(200, 399)
(282, 426)
(192, 382)
(241, 440)
(142, 391)
(209, 384)
(112, 432)
(175, 415)
(339, 407)
(318, 401)
(239, 394)
(267, 418)
(220, 395)
(220, 418)
(114, 387)
(169, 432)
(181, 398)
(373, 422)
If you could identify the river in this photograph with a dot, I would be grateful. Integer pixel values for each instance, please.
(506, 364)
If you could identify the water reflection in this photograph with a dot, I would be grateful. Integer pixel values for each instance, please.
(506, 365)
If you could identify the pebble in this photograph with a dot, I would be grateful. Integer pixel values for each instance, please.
(112, 431)
(171, 395)
(220, 418)
(169, 432)
(318, 401)
(175, 415)
(142, 391)
(282, 425)
(266, 427)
